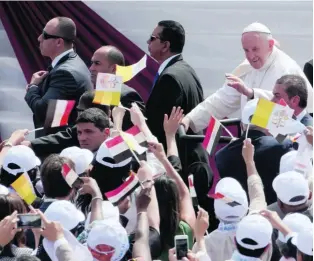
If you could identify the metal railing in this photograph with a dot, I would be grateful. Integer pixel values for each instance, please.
(186, 138)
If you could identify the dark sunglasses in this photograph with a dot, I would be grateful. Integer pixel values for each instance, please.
(47, 36)
(153, 38)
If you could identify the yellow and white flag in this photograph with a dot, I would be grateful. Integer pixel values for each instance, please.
(108, 89)
(128, 72)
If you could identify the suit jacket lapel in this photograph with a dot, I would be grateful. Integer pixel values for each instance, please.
(62, 60)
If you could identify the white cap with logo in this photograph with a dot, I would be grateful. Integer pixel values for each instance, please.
(81, 158)
(233, 190)
(291, 188)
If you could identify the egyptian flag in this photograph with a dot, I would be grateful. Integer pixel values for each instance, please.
(140, 139)
(129, 185)
(212, 135)
(58, 113)
(229, 201)
(71, 176)
(118, 149)
(192, 190)
(138, 136)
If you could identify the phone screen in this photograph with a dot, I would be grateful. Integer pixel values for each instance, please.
(29, 221)
(181, 248)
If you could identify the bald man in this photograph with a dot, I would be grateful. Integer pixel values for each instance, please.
(104, 60)
(67, 77)
(254, 78)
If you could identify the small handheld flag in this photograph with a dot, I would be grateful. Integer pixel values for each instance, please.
(117, 195)
(128, 72)
(58, 113)
(24, 189)
(192, 190)
(229, 201)
(212, 135)
(108, 89)
(71, 176)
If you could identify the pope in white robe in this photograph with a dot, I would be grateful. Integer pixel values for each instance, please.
(254, 78)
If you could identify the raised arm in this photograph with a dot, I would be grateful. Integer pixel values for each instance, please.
(186, 208)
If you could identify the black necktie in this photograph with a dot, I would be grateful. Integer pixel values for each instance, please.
(49, 68)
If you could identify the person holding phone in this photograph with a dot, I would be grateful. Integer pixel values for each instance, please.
(12, 204)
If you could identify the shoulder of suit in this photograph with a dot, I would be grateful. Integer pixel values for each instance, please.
(125, 89)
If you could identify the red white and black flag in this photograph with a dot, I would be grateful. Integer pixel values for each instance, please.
(58, 113)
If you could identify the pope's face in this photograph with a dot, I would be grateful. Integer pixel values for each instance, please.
(257, 48)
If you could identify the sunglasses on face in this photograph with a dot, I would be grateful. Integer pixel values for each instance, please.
(47, 36)
(153, 38)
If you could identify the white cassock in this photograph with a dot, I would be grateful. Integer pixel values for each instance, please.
(226, 101)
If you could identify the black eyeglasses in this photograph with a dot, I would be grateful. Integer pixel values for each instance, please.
(47, 36)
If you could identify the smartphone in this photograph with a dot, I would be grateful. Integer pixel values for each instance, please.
(182, 246)
(29, 221)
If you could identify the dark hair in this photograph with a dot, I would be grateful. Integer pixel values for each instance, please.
(295, 86)
(95, 116)
(27, 258)
(67, 30)
(9, 204)
(107, 179)
(251, 253)
(168, 202)
(54, 184)
(115, 56)
(174, 33)
(86, 102)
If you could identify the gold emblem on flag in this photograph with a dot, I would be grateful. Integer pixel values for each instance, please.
(279, 118)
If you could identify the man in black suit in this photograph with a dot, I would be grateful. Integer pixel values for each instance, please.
(66, 79)
(104, 60)
(176, 84)
(292, 89)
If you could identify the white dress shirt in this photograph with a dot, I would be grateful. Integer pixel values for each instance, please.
(165, 63)
(59, 57)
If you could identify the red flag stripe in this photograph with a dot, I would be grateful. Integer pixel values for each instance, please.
(67, 112)
(122, 187)
(115, 141)
(209, 131)
(133, 130)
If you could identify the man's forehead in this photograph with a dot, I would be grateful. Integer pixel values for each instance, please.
(85, 126)
(100, 55)
(157, 30)
(253, 37)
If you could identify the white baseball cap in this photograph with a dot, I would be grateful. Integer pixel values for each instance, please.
(110, 233)
(256, 27)
(304, 240)
(296, 222)
(248, 111)
(109, 212)
(232, 189)
(81, 158)
(22, 156)
(65, 212)
(103, 155)
(287, 161)
(291, 188)
(254, 232)
(79, 251)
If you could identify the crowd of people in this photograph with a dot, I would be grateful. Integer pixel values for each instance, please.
(260, 209)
